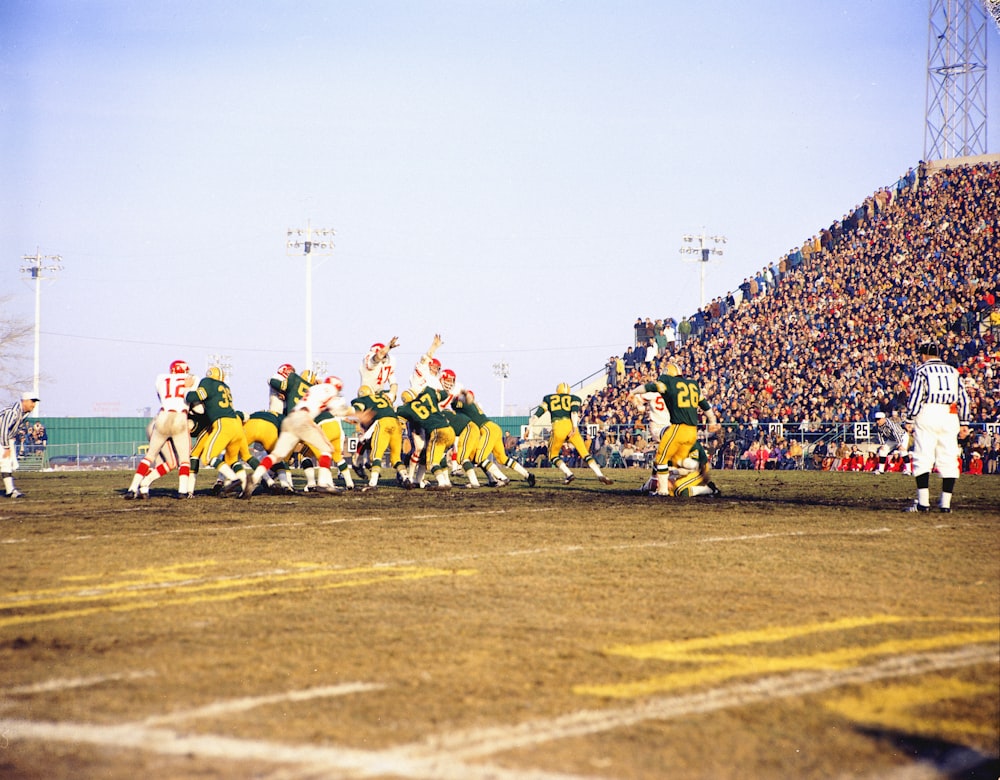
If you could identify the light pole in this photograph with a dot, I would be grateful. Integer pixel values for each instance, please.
(36, 266)
(703, 253)
(225, 362)
(309, 242)
(501, 371)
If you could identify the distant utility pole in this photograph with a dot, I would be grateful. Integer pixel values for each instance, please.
(37, 266)
(305, 242)
(956, 79)
(703, 252)
(501, 371)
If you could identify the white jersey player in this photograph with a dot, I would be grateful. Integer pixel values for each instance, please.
(378, 369)
(937, 404)
(300, 425)
(427, 371)
(171, 424)
(451, 386)
(658, 419)
(275, 398)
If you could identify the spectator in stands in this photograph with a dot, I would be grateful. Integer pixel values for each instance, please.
(37, 439)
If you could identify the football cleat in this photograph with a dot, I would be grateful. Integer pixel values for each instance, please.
(716, 493)
(945, 510)
(179, 367)
(569, 478)
(328, 490)
(530, 480)
(915, 507)
(15, 493)
(605, 480)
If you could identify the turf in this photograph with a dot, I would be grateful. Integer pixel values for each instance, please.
(799, 626)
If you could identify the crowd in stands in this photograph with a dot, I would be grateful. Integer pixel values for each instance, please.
(828, 334)
(30, 439)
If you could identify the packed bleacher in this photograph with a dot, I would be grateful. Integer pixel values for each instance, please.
(827, 334)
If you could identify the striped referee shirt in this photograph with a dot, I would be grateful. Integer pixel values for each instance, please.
(11, 418)
(935, 382)
(891, 432)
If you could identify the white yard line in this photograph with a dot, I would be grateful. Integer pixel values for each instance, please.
(65, 684)
(250, 702)
(446, 756)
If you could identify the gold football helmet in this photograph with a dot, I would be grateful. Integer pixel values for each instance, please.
(563, 388)
(215, 372)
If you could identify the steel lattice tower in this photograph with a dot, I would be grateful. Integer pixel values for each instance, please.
(956, 79)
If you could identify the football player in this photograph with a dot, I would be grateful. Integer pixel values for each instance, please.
(171, 424)
(564, 409)
(299, 425)
(378, 368)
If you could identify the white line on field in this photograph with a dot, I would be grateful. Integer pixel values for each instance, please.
(444, 756)
(482, 742)
(73, 682)
(250, 702)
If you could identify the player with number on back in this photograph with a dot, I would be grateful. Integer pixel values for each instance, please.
(683, 399)
(564, 409)
(171, 424)
(937, 405)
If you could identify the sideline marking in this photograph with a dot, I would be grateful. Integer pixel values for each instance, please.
(893, 708)
(445, 756)
(64, 684)
(711, 666)
(250, 702)
(129, 597)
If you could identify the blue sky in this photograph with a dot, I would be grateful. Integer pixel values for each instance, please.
(516, 175)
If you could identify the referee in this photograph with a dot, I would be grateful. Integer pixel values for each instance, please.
(938, 403)
(893, 439)
(11, 418)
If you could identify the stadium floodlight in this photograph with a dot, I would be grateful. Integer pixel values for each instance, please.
(702, 253)
(36, 266)
(501, 371)
(310, 242)
(957, 96)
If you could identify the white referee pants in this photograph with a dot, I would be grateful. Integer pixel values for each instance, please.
(935, 441)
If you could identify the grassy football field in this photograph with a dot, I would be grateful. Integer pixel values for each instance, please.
(800, 626)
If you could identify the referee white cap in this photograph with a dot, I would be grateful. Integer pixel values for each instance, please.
(879, 415)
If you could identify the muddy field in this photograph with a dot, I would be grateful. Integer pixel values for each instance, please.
(800, 626)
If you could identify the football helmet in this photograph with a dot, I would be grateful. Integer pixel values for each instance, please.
(563, 388)
(671, 369)
(335, 381)
(407, 396)
(376, 347)
(179, 367)
(285, 369)
(363, 391)
(308, 376)
(447, 379)
(215, 372)
(434, 365)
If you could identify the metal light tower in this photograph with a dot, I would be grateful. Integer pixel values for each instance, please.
(225, 362)
(956, 80)
(36, 266)
(309, 242)
(703, 252)
(501, 371)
